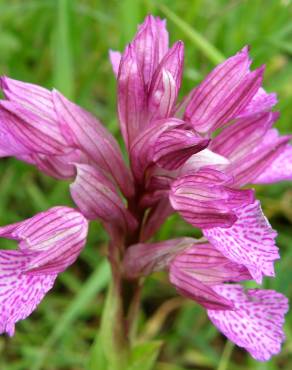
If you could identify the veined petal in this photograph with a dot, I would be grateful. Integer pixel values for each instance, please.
(256, 322)
(56, 236)
(224, 94)
(166, 84)
(174, 147)
(190, 287)
(59, 167)
(34, 98)
(115, 58)
(9, 145)
(150, 44)
(145, 258)
(84, 132)
(261, 102)
(205, 263)
(20, 292)
(241, 138)
(250, 241)
(97, 198)
(25, 127)
(142, 150)
(279, 169)
(205, 200)
(131, 97)
(246, 169)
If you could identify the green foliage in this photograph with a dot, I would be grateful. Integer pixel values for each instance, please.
(144, 355)
(65, 44)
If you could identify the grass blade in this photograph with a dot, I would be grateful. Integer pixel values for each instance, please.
(63, 72)
(209, 50)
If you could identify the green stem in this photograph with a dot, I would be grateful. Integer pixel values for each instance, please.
(111, 347)
(113, 343)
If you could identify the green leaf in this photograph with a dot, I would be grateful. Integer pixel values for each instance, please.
(144, 356)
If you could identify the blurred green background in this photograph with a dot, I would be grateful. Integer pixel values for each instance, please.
(64, 44)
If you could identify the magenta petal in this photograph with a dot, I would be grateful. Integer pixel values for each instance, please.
(204, 200)
(247, 169)
(131, 96)
(59, 167)
(32, 97)
(174, 147)
(30, 130)
(206, 264)
(150, 45)
(20, 292)
(256, 323)
(260, 102)
(97, 198)
(224, 94)
(143, 148)
(190, 287)
(84, 132)
(145, 258)
(166, 83)
(9, 145)
(25, 127)
(279, 170)
(250, 241)
(241, 138)
(57, 237)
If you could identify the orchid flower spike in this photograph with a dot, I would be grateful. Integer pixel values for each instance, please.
(197, 157)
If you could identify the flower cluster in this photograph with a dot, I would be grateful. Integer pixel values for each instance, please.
(195, 157)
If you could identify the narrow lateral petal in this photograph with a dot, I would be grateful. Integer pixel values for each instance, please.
(56, 236)
(205, 200)
(97, 198)
(131, 96)
(20, 292)
(224, 94)
(84, 132)
(279, 170)
(144, 258)
(256, 323)
(166, 83)
(190, 287)
(250, 241)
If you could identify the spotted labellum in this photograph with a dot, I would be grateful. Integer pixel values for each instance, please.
(198, 156)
